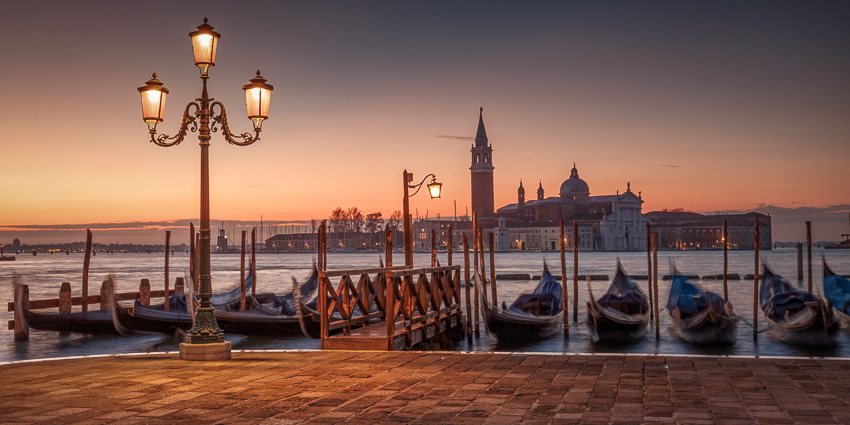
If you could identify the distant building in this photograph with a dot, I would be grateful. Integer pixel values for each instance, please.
(221, 243)
(422, 233)
(16, 244)
(694, 231)
(606, 222)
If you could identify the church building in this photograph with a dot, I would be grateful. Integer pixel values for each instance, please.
(605, 222)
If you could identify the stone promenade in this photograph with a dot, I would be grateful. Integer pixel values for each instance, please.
(420, 387)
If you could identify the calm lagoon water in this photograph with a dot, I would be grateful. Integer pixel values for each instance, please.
(44, 274)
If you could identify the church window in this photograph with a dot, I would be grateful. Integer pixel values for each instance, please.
(477, 157)
(570, 211)
(711, 233)
(703, 233)
(592, 210)
(690, 232)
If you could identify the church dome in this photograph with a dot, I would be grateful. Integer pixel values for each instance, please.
(574, 187)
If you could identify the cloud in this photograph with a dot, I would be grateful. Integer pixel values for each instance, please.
(466, 138)
(669, 165)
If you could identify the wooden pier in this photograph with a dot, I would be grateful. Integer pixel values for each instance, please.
(396, 309)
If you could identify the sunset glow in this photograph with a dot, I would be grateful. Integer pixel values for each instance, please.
(702, 106)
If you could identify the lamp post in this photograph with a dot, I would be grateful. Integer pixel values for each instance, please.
(434, 189)
(204, 120)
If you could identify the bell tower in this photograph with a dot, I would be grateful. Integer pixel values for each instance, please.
(482, 172)
(520, 195)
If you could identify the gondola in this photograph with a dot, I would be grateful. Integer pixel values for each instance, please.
(94, 322)
(265, 314)
(837, 289)
(535, 315)
(796, 317)
(622, 314)
(700, 317)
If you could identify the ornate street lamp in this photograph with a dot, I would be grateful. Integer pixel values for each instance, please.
(200, 116)
(434, 189)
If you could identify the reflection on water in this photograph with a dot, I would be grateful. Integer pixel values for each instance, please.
(45, 273)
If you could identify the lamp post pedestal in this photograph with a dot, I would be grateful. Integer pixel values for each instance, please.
(205, 352)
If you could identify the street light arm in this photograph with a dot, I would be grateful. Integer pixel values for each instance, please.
(247, 139)
(419, 186)
(162, 139)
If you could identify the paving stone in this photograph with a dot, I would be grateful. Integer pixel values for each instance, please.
(427, 388)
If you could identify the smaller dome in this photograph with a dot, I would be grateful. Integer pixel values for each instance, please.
(574, 186)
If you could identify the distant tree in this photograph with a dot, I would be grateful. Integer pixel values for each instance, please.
(355, 220)
(374, 223)
(396, 219)
(336, 222)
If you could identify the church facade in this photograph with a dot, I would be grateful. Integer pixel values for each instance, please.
(605, 222)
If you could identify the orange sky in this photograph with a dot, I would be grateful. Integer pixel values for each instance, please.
(702, 107)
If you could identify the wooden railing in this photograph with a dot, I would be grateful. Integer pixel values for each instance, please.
(432, 299)
(354, 305)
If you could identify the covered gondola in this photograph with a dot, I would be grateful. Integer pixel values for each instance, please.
(837, 289)
(699, 316)
(94, 322)
(535, 315)
(622, 314)
(796, 317)
(265, 314)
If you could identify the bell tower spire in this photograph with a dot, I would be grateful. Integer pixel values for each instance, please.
(482, 171)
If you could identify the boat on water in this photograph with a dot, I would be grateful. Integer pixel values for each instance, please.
(700, 316)
(622, 314)
(265, 314)
(837, 290)
(533, 315)
(796, 317)
(94, 322)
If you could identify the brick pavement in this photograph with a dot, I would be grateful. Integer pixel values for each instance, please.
(422, 387)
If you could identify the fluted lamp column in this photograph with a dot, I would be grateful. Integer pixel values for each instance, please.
(205, 341)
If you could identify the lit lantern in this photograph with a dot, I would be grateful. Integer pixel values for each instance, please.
(204, 44)
(153, 101)
(434, 188)
(257, 96)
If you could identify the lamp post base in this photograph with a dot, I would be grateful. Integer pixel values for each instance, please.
(205, 352)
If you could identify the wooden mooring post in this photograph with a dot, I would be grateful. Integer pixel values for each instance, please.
(649, 269)
(242, 272)
(468, 284)
(655, 281)
(86, 262)
(388, 246)
(254, 261)
(22, 331)
(433, 247)
(450, 246)
(809, 252)
(483, 268)
(65, 298)
(167, 249)
(564, 298)
(575, 271)
(493, 272)
(144, 292)
(756, 278)
(725, 261)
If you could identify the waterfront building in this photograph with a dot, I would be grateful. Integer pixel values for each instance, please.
(606, 222)
(422, 233)
(693, 231)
